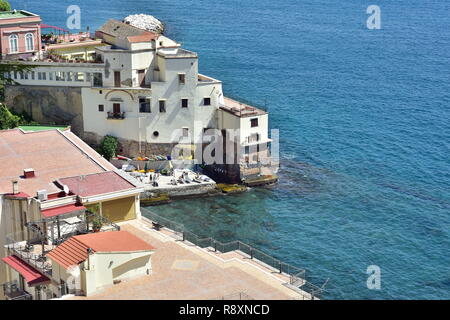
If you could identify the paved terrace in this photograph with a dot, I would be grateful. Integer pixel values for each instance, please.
(184, 271)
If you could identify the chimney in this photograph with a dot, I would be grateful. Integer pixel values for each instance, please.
(15, 184)
(28, 173)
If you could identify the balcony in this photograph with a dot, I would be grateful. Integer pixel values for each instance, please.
(116, 116)
(12, 292)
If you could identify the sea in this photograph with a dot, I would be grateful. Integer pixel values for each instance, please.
(364, 122)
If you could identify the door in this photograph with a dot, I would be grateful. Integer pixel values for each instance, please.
(116, 108)
(117, 78)
(141, 77)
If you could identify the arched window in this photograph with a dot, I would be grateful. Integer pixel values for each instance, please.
(29, 41)
(13, 43)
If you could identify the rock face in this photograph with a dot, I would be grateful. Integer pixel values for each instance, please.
(48, 105)
(146, 22)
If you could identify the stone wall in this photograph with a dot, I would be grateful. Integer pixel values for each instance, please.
(48, 105)
(130, 148)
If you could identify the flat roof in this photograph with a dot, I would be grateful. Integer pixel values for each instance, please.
(240, 109)
(16, 14)
(183, 271)
(96, 184)
(53, 154)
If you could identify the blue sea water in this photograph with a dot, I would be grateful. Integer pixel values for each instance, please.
(364, 119)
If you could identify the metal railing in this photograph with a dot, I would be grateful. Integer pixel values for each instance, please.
(32, 251)
(12, 292)
(235, 296)
(297, 276)
(116, 115)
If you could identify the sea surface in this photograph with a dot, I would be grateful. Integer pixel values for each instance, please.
(364, 120)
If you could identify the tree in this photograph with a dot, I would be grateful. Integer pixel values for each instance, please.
(7, 119)
(6, 69)
(109, 147)
(4, 5)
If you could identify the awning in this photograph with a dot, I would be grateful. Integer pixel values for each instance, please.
(31, 275)
(46, 26)
(71, 208)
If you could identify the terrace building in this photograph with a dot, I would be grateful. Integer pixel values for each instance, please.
(144, 89)
(54, 186)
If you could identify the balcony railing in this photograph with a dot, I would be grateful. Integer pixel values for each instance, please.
(31, 251)
(12, 292)
(116, 115)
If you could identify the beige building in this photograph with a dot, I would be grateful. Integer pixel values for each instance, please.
(54, 186)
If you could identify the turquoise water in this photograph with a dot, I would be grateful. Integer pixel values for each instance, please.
(365, 136)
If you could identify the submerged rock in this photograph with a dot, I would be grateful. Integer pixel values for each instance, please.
(146, 22)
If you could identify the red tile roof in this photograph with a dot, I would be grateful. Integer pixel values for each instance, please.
(31, 275)
(53, 212)
(74, 251)
(96, 184)
(52, 154)
(20, 195)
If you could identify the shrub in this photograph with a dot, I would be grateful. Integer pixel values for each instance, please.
(109, 147)
(7, 119)
(4, 5)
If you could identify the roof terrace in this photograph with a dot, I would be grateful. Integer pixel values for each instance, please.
(240, 109)
(181, 270)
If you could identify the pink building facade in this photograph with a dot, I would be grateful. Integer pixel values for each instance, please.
(20, 35)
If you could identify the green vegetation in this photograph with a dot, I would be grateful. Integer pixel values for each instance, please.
(4, 5)
(8, 120)
(6, 68)
(108, 147)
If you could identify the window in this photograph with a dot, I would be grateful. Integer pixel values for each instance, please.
(69, 76)
(13, 43)
(184, 103)
(32, 75)
(101, 108)
(29, 42)
(79, 76)
(60, 76)
(144, 105)
(51, 76)
(162, 105)
(181, 78)
(207, 101)
(98, 79)
(254, 122)
(42, 75)
(185, 132)
(155, 134)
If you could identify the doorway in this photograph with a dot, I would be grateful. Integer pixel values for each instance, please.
(117, 82)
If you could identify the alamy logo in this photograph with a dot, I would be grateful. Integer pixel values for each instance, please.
(374, 20)
(74, 20)
(374, 279)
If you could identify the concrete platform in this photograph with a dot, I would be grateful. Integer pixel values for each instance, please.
(183, 271)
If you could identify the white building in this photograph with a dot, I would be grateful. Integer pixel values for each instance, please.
(144, 89)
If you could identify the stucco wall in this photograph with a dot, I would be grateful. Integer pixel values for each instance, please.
(48, 105)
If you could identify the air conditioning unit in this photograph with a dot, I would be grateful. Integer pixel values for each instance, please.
(42, 195)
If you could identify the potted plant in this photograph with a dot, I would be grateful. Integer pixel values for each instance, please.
(97, 224)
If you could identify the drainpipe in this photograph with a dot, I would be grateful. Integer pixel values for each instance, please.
(89, 252)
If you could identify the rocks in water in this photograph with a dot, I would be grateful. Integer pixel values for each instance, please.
(146, 22)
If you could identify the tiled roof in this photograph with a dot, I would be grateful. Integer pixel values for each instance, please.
(96, 184)
(52, 154)
(53, 212)
(31, 275)
(122, 30)
(74, 251)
